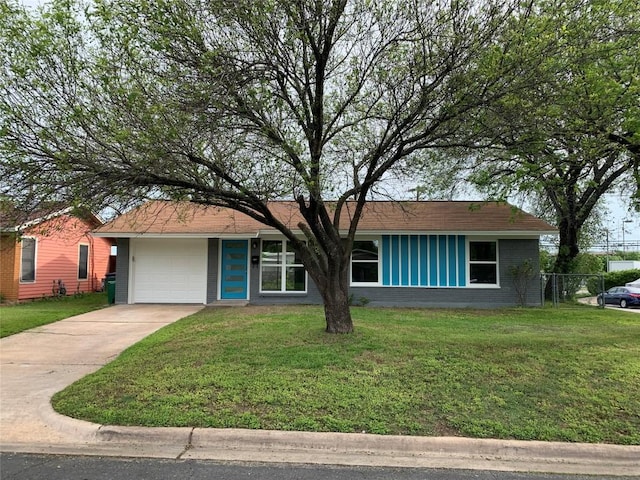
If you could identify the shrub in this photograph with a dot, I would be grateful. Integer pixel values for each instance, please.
(522, 275)
(612, 279)
(588, 263)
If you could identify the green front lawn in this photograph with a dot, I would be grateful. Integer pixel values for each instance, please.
(19, 317)
(544, 374)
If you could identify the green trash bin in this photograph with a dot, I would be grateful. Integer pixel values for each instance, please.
(111, 292)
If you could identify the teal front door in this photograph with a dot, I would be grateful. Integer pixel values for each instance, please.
(233, 283)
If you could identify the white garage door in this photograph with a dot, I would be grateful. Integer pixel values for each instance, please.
(169, 271)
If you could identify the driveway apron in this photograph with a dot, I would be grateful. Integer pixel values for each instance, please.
(37, 363)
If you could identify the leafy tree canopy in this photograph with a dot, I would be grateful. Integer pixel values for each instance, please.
(576, 134)
(234, 103)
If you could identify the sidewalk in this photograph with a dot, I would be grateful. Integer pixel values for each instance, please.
(36, 364)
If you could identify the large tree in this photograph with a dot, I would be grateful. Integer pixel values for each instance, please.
(576, 136)
(235, 103)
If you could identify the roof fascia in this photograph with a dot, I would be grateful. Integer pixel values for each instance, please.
(470, 233)
(38, 221)
(170, 235)
(370, 233)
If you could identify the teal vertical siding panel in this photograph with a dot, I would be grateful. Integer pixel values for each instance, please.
(395, 260)
(442, 260)
(453, 266)
(414, 255)
(424, 261)
(404, 260)
(462, 261)
(386, 260)
(433, 260)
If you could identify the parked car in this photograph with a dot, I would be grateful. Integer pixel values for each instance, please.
(623, 296)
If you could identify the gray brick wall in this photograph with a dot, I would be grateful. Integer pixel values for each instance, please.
(511, 253)
(212, 270)
(311, 297)
(122, 271)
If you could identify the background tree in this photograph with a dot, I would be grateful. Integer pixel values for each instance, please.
(576, 136)
(235, 103)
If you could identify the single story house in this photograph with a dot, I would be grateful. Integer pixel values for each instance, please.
(52, 254)
(432, 253)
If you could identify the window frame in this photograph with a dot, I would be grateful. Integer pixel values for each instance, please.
(283, 265)
(35, 259)
(378, 262)
(80, 245)
(471, 262)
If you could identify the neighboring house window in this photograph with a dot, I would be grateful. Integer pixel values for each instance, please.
(483, 263)
(364, 261)
(28, 265)
(83, 262)
(281, 268)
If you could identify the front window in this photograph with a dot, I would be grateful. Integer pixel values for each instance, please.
(83, 262)
(28, 265)
(281, 268)
(483, 263)
(364, 261)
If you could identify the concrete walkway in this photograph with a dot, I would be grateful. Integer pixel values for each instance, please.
(38, 363)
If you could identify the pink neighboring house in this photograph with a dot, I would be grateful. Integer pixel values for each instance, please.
(43, 254)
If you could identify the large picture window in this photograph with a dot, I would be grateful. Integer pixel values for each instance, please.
(483, 263)
(281, 268)
(364, 261)
(83, 262)
(28, 265)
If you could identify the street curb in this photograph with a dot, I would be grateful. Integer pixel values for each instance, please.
(346, 449)
(365, 450)
(407, 451)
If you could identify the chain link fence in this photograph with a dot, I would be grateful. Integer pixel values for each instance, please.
(569, 289)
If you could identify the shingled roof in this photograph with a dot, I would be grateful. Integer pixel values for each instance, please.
(161, 218)
(14, 220)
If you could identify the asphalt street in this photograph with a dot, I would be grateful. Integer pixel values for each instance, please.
(57, 467)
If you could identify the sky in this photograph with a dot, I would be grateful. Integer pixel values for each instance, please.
(617, 220)
(619, 217)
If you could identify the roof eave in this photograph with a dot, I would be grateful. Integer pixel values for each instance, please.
(267, 232)
(171, 235)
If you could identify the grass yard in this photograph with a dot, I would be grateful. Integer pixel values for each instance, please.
(543, 374)
(23, 316)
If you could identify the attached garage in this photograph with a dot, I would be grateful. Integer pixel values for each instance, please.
(168, 270)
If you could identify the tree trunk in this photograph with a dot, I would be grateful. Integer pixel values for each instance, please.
(337, 312)
(568, 248)
(334, 288)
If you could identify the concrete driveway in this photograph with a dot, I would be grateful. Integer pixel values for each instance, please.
(37, 363)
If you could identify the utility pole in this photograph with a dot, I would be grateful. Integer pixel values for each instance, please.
(606, 254)
(624, 245)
